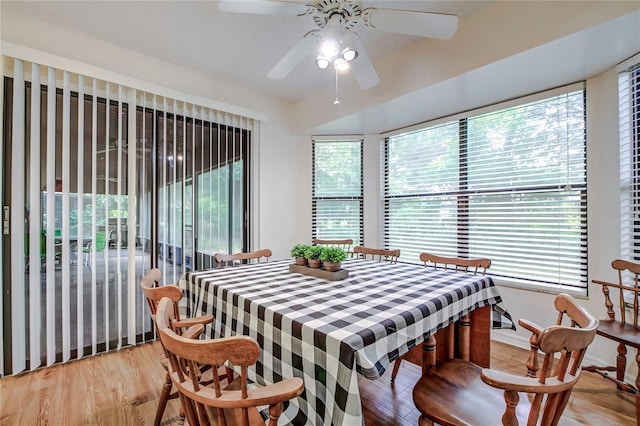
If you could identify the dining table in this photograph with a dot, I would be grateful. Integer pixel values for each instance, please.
(327, 332)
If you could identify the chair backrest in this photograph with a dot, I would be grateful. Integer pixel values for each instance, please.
(627, 289)
(381, 255)
(187, 357)
(100, 240)
(229, 259)
(456, 263)
(344, 244)
(563, 345)
(154, 292)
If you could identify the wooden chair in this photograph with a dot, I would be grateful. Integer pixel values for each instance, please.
(230, 259)
(381, 255)
(458, 392)
(241, 351)
(153, 294)
(100, 241)
(343, 244)
(624, 330)
(455, 263)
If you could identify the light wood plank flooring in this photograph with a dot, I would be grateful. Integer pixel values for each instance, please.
(122, 388)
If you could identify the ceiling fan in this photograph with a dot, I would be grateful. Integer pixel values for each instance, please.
(335, 42)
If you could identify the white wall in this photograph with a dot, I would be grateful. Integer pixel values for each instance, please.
(372, 183)
(285, 196)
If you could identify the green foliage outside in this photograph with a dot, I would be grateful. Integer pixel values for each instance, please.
(481, 183)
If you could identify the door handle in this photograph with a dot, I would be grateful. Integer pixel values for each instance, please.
(5, 220)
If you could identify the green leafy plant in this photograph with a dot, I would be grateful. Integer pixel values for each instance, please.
(333, 254)
(299, 250)
(314, 252)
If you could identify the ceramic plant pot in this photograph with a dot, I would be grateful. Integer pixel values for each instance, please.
(332, 266)
(315, 263)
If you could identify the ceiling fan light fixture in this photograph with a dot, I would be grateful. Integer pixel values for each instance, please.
(329, 49)
(349, 54)
(322, 62)
(340, 64)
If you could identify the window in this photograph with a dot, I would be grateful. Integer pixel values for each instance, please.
(337, 200)
(509, 185)
(629, 95)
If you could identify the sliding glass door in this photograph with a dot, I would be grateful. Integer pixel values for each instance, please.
(100, 183)
(202, 192)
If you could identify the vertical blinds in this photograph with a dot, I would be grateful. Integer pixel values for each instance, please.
(509, 185)
(88, 158)
(629, 98)
(337, 200)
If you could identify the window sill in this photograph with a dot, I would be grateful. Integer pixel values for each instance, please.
(580, 293)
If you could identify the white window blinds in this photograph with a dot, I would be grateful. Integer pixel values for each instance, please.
(629, 96)
(509, 185)
(337, 200)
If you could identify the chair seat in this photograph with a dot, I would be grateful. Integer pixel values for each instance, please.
(619, 332)
(455, 380)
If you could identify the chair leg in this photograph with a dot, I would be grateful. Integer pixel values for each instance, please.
(511, 399)
(190, 410)
(621, 362)
(424, 421)
(619, 369)
(164, 397)
(275, 411)
(396, 367)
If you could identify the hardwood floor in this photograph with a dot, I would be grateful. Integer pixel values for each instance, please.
(122, 388)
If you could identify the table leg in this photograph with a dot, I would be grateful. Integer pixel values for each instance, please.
(448, 343)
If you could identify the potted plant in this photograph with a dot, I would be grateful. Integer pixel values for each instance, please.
(312, 254)
(332, 258)
(298, 252)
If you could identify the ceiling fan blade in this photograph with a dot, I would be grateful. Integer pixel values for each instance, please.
(422, 24)
(297, 53)
(262, 7)
(362, 67)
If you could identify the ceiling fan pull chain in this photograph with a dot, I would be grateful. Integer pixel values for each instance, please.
(336, 102)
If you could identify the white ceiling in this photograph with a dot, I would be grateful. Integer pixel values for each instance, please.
(241, 49)
(238, 48)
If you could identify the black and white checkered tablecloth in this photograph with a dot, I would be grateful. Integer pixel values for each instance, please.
(326, 331)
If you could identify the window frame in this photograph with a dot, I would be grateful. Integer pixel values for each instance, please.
(316, 200)
(629, 135)
(462, 244)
